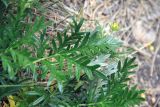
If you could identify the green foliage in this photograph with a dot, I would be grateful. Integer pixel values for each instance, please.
(40, 71)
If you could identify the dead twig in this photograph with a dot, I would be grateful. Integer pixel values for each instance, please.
(153, 61)
(138, 50)
(157, 101)
(155, 55)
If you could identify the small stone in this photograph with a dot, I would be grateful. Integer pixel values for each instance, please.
(143, 35)
(153, 100)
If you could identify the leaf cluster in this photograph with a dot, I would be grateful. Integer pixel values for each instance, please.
(57, 72)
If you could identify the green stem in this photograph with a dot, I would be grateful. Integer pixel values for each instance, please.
(29, 84)
(41, 59)
(90, 104)
(5, 86)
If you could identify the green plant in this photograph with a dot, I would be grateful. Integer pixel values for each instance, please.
(60, 72)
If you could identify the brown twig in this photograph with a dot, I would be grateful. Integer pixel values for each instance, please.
(155, 55)
(153, 61)
(138, 50)
(157, 101)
